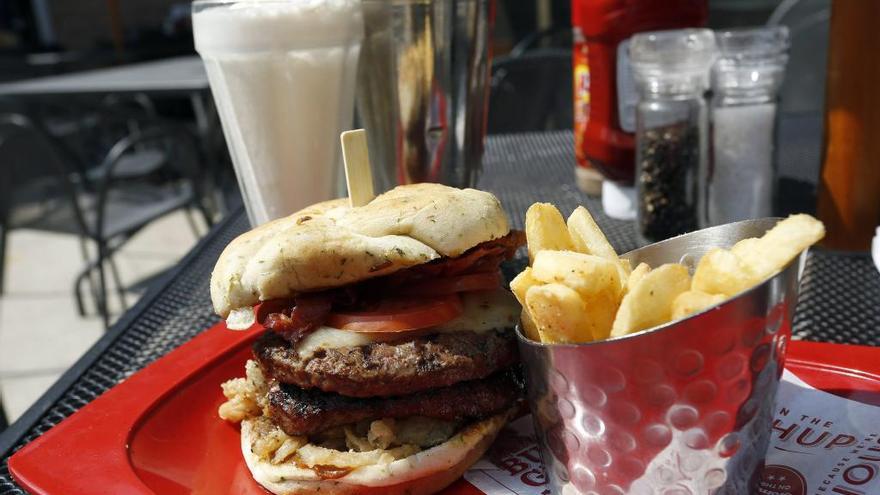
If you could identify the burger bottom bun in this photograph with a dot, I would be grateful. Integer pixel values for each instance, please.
(425, 472)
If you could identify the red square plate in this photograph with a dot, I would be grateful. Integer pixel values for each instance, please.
(158, 432)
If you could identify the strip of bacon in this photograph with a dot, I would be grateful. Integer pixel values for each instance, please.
(308, 313)
(484, 257)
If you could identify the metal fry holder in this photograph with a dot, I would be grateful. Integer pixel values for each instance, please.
(684, 408)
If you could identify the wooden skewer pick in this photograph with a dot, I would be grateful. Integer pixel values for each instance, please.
(358, 175)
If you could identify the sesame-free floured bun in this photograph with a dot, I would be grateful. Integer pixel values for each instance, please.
(331, 244)
(402, 470)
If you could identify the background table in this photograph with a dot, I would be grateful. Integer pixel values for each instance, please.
(183, 77)
(179, 74)
(839, 292)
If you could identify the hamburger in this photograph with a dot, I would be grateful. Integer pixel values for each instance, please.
(387, 364)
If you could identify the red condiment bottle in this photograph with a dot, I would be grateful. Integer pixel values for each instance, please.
(604, 92)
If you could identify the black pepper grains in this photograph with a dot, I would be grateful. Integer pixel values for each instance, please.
(669, 158)
(671, 71)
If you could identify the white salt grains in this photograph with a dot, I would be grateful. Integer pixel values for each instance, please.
(741, 171)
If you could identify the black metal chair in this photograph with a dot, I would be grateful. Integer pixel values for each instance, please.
(531, 91)
(38, 175)
(110, 209)
(112, 118)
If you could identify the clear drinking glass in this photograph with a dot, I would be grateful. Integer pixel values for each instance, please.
(423, 89)
(671, 70)
(745, 85)
(283, 77)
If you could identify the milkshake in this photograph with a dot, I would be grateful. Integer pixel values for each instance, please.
(282, 74)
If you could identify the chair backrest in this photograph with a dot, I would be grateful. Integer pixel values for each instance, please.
(175, 140)
(30, 156)
(112, 118)
(68, 121)
(531, 92)
(180, 150)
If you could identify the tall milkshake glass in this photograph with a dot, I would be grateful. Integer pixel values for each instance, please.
(282, 73)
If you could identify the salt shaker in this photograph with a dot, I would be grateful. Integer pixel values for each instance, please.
(671, 70)
(745, 86)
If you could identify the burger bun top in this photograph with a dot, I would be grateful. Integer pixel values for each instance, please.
(331, 244)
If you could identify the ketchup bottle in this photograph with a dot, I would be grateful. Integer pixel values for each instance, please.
(604, 90)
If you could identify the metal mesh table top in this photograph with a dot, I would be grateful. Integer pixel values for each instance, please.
(838, 303)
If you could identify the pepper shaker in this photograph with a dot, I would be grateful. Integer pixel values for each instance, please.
(671, 70)
(745, 86)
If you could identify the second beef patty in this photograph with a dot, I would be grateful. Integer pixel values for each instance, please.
(303, 412)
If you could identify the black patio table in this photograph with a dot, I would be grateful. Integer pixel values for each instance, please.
(183, 76)
(838, 302)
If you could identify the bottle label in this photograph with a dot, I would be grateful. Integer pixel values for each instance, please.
(581, 85)
(627, 97)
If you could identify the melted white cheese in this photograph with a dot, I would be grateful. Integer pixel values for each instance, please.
(481, 312)
(330, 338)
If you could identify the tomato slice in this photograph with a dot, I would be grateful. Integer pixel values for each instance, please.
(452, 285)
(400, 314)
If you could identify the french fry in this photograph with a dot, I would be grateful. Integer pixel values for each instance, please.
(601, 311)
(528, 326)
(722, 272)
(587, 236)
(588, 275)
(624, 269)
(752, 260)
(742, 248)
(636, 275)
(559, 313)
(780, 245)
(545, 229)
(521, 283)
(649, 302)
(694, 301)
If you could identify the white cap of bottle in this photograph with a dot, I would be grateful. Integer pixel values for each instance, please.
(618, 201)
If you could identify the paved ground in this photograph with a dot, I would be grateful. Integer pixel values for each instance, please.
(41, 334)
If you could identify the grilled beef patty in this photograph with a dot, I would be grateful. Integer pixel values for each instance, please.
(303, 412)
(389, 368)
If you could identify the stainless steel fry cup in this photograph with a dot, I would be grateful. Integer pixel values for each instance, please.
(684, 408)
